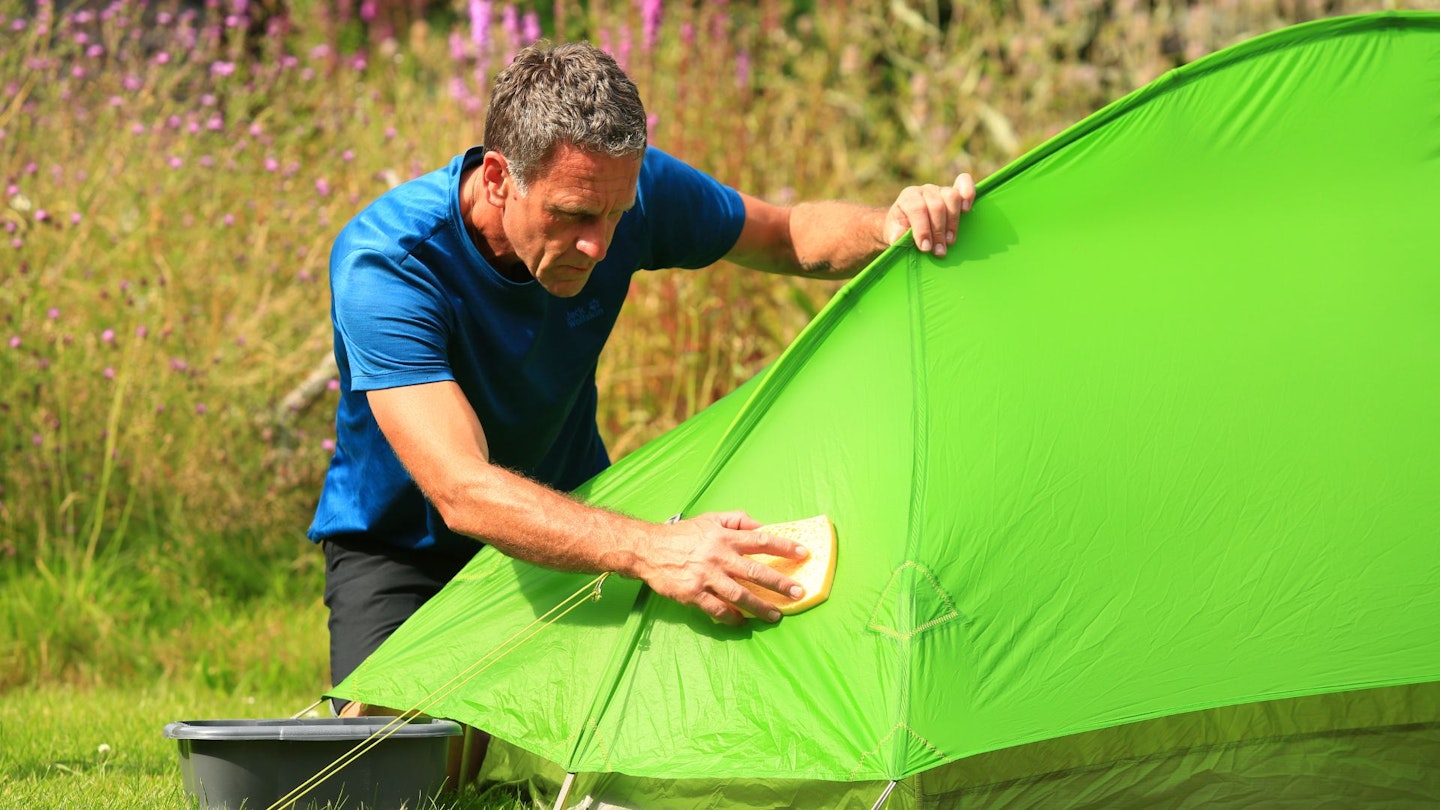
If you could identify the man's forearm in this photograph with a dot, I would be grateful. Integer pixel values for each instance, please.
(836, 239)
(537, 524)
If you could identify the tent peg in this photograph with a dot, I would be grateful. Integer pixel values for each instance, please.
(880, 802)
(564, 791)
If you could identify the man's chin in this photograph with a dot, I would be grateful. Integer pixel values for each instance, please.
(566, 288)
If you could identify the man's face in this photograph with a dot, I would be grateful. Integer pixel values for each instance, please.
(562, 227)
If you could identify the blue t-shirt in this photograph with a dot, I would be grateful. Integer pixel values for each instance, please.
(413, 301)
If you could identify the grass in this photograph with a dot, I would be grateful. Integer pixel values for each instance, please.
(103, 747)
(171, 176)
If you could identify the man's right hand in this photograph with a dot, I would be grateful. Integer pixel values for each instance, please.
(701, 562)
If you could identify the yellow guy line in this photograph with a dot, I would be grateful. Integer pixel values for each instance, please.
(590, 590)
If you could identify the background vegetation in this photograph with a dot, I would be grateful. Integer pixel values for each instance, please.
(174, 174)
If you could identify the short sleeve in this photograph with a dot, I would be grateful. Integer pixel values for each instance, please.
(694, 219)
(392, 321)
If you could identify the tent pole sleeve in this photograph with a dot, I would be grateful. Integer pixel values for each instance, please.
(880, 802)
(564, 791)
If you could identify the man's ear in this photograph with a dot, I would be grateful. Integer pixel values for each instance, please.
(495, 178)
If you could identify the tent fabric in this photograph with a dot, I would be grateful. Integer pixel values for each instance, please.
(1134, 490)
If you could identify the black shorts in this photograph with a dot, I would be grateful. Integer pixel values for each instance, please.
(371, 589)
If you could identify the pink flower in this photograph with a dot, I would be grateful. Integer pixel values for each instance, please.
(480, 25)
(109, 373)
(41, 215)
(108, 336)
(222, 68)
(15, 342)
(201, 409)
(328, 445)
(332, 385)
(141, 331)
(162, 58)
(322, 187)
(75, 218)
(650, 12)
(52, 313)
(348, 155)
(176, 161)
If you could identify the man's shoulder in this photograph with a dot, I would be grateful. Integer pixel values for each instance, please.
(406, 216)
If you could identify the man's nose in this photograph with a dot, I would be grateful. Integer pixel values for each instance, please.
(594, 243)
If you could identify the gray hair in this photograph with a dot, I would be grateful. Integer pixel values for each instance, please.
(572, 93)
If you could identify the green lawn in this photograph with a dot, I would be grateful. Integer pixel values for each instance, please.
(103, 748)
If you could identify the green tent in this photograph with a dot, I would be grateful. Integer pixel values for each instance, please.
(1137, 491)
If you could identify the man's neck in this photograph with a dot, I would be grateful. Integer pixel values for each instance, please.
(486, 230)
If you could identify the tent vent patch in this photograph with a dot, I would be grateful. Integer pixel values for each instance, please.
(912, 740)
(912, 602)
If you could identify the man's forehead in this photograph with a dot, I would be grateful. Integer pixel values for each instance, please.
(592, 181)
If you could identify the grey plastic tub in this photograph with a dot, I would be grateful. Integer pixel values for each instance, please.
(230, 764)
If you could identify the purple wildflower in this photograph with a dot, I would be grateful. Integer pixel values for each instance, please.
(480, 25)
(109, 372)
(650, 13)
(15, 341)
(510, 22)
(108, 336)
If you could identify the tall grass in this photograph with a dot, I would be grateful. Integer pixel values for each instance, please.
(174, 174)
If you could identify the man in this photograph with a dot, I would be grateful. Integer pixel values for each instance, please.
(470, 306)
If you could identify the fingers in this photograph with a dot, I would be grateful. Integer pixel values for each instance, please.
(732, 520)
(932, 213)
(703, 562)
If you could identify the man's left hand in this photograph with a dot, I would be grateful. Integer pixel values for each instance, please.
(931, 212)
